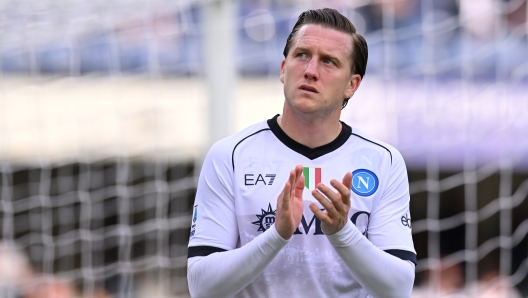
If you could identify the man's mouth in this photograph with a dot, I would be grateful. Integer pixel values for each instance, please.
(308, 88)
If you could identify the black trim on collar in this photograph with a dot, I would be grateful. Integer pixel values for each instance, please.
(202, 251)
(311, 153)
(402, 254)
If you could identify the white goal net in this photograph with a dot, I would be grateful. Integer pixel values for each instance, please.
(104, 120)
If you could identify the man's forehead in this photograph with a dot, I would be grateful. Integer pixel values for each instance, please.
(330, 38)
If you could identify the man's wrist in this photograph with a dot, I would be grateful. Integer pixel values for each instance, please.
(281, 233)
(276, 237)
(344, 236)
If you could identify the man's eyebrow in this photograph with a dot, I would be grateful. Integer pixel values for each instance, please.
(300, 48)
(323, 54)
(330, 56)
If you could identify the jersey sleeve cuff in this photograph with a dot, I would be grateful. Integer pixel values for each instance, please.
(275, 239)
(345, 236)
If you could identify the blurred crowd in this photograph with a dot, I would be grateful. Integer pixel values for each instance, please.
(19, 279)
(411, 37)
(447, 281)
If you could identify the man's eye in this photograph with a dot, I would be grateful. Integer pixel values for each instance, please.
(301, 55)
(328, 61)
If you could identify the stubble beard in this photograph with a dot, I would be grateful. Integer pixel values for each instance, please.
(310, 113)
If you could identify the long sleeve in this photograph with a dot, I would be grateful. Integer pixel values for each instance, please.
(224, 274)
(381, 274)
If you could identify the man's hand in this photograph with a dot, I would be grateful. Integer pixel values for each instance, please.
(290, 204)
(336, 204)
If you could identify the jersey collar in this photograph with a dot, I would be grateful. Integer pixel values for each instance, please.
(311, 153)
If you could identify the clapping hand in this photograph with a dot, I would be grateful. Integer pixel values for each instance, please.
(336, 204)
(290, 204)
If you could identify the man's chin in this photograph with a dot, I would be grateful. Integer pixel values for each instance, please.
(306, 107)
(311, 109)
(305, 103)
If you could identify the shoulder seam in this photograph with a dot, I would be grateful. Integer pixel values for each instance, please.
(390, 153)
(233, 153)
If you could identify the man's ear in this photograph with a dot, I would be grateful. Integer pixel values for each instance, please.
(282, 70)
(353, 85)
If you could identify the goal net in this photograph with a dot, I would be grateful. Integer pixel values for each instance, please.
(104, 122)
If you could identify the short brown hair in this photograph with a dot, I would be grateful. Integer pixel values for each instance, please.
(331, 18)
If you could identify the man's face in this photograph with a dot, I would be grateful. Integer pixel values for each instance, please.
(316, 73)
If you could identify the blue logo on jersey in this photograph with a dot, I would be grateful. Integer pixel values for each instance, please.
(364, 182)
(194, 218)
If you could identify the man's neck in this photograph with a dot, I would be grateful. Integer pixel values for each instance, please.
(309, 131)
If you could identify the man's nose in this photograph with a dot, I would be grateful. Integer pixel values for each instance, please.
(311, 72)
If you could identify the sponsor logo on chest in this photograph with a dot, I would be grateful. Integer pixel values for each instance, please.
(259, 179)
(267, 218)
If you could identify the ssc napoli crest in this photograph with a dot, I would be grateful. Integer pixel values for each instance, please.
(364, 182)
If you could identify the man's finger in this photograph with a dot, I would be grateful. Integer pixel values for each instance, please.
(298, 170)
(343, 190)
(286, 193)
(289, 184)
(292, 177)
(328, 205)
(331, 195)
(321, 215)
(347, 182)
(281, 195)
(295, 180)
(297, 174)
(299, 187)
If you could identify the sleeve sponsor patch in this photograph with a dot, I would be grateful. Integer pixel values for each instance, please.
(194, 217)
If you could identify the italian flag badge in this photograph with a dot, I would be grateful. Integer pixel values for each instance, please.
(312, 177)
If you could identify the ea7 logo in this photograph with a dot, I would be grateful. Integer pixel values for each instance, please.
(253, 179)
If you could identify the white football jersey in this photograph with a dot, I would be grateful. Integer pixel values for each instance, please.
(236, 200)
